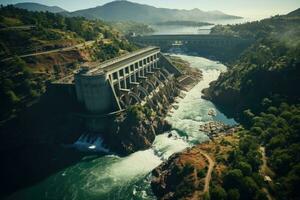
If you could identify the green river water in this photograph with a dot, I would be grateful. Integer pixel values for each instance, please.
(124, 178)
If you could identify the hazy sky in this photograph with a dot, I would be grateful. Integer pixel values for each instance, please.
(246, 8)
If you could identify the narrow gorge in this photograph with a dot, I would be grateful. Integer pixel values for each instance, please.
(114, 177)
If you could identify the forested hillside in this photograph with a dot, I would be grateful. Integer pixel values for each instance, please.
(130, 27)
(277, 27)
(268, 69)
(25, 33)
(261, 90)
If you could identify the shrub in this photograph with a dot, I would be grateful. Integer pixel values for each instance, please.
(201, 173)
(232, 178)
(233, 194)
(245, 168)
(218, 193)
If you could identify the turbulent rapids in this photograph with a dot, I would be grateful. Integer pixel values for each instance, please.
(113, 177)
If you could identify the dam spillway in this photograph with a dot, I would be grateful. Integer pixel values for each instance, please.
(123, 81)
(101, 89)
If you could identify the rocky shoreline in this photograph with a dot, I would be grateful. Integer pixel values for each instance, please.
(190, 77)
(215, 128)
(181, 177)
(135, 130)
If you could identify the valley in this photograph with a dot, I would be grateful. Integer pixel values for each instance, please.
(132, 101)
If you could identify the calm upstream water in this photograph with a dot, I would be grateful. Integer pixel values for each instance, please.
(124, 178)
(174, 30)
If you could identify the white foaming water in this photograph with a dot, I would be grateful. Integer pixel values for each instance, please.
(164, 146)
(88, 142)
(113, 177)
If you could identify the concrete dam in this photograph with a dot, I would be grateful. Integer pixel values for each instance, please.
(144, 77)
(209, 45)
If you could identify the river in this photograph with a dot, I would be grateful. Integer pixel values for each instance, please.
(111, 177)
(175, 30)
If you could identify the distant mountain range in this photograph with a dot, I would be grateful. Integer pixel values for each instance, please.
(39, 7)
(129, 11)
(294, 13)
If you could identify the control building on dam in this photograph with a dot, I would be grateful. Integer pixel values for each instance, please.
(143, 77)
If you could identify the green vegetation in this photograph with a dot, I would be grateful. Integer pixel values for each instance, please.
(276, 26)
(202, 173)
(22, 32)
(184, 186)
(268, 69)
(17, 86)
(48, 31)
(278, 130)
(185, 171)
(241, 180)
(105, 51)
(218, 193)
(233, 194)
(261, 91)
(130, 27)
(137, 113)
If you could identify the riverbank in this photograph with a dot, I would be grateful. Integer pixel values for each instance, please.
(187, 175)
(129, 177)
(215, 128)
(190, 76)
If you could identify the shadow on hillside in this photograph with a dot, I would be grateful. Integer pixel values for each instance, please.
(31, 147)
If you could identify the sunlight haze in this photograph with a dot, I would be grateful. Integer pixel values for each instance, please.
(150, 99)
(245, 8)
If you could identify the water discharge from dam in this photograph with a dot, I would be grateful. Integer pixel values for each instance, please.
(123, 178)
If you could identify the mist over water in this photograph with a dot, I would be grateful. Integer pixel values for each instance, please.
(113, 177)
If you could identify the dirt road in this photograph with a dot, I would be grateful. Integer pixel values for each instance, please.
(78, 46)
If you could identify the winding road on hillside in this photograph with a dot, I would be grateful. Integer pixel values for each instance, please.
(263, 170)
(264, 160)
(78, 46)
(198, 194)
(209, 171)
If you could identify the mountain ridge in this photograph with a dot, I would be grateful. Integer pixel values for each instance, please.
(294, 13)
(39, 7)
(122, 11)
